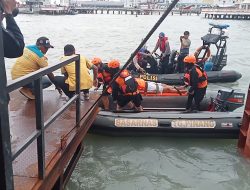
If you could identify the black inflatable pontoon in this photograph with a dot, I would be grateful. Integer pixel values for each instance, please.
(177, 78)
(217, 37)
(164, 116)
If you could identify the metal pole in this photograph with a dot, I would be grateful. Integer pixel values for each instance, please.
(40, 127)
(78, 91)
(157, 24)
(6, 170)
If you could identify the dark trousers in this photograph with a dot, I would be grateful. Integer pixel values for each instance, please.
(198, 96)
(45, 84)
(180, 63)
(60, 81)
(124, 100)
(164, 65)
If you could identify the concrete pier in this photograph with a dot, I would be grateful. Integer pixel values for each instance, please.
(226, 14)
(54, 10)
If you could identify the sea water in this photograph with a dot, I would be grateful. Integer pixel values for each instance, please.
(147, 163)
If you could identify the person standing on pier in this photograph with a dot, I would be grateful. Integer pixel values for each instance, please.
(163, 45)
(33, 59)
(68, 82)
(13, 41)
(184, 51)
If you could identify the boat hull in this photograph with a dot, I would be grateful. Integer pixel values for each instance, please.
(177, 78)
(164, 115)
(170, 124)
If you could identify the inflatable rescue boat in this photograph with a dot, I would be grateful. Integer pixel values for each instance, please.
(177, 78)
(212, 64)
(164, 115)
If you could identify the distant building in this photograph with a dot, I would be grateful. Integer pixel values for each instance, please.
(245, 4)
(113, 4)
(131, 3)
(63, 2)
(45, 2)
(224, 3)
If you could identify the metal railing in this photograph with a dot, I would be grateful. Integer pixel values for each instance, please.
(6, 155)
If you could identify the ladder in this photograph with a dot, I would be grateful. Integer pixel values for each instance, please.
(244, 137)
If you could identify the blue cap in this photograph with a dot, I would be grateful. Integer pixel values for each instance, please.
(142, 50)
(162, 34)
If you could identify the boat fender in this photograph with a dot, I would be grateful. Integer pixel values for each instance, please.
(207, 55)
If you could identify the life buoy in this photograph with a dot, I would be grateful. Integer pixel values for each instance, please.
(207, 55)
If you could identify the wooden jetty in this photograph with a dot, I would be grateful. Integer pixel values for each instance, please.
(226, 14)
(131, 11)
(41, 139)
(53, 10)
(63, 139)
(244, 138)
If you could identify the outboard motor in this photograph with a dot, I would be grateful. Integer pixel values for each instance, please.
(227, 101)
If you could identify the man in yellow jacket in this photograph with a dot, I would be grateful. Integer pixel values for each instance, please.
(33, 58)
(68, 82)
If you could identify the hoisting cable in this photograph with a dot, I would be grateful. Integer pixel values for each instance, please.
(157, 24)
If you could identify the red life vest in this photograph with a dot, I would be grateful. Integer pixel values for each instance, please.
(162, 44)
(202, 77)
(106, 77)
(138, 57)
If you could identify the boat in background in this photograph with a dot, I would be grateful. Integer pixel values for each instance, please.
(177, 78)
(217, 36)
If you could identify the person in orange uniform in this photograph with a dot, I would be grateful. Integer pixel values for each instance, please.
(105, 75)
(196, 79)
(125, 90)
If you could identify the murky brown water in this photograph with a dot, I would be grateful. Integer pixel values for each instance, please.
(147, 163)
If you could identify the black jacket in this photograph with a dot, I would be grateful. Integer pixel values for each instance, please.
(13, 41)
(194, 79)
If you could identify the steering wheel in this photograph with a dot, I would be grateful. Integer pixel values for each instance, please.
(157, 56)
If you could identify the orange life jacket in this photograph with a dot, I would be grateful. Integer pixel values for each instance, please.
(141, 84)
(104, 76)
(123, 85)
(202, 77)
(162, 44)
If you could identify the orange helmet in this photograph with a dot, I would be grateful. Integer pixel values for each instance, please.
(124, 73)
(114, 64)
(190, 59)
(96, 61)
